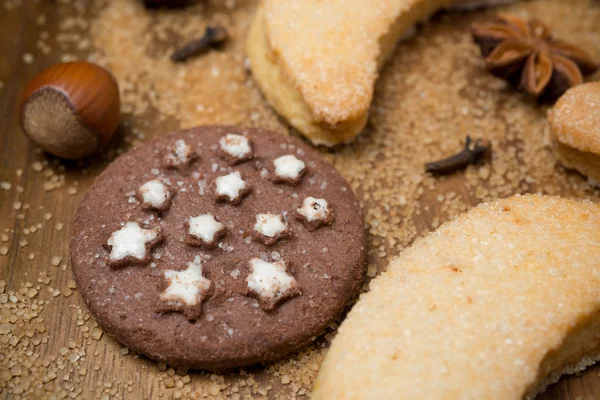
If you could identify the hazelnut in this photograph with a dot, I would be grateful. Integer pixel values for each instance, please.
(71, 110)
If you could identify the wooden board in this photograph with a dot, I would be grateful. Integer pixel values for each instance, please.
(423, 109)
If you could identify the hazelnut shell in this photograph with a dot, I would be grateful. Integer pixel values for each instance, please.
(72, 109)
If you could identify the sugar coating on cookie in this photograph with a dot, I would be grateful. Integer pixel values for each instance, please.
(288, 168)
(155, 195)
(575, 130)
(230, 187)
(131, 241)
(270, 227)
(495, 304)
(315, 212)
(236, 146)
(575, 119)
(179, 155)
(185, 288)
(271, 282)
(205, 228)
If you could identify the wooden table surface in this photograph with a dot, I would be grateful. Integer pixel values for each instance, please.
(54, 347)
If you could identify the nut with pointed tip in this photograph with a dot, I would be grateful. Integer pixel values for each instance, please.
(71, 110)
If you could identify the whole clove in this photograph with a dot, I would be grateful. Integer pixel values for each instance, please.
(470, 154)
(213, 36)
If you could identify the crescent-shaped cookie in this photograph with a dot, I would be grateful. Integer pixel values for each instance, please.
(317, 62)
(575, 126)
(496, 304)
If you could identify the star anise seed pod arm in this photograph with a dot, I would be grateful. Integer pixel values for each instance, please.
(567, 68)
(566, 75)
(508, 57)
(488, 36)
(586, 63)
(537, 73)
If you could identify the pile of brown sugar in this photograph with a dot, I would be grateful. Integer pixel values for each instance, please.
(432, 93)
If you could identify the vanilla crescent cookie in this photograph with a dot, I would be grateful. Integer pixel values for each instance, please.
(218, 247)
(497, 304)
(575, 128)
(317, 62)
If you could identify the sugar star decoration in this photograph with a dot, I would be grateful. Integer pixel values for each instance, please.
(235, 148)
(185, 291)
(526, 54)
(314, 213)
(131, 245)
(269, 228)
(154, 195)
(270, 283)
(179, 155)
(288, 169)
(231, 188)
(204, 230)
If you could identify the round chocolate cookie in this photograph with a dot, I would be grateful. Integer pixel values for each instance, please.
(218, 247)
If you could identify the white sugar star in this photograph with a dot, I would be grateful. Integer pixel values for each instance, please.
(205, 228)
(186, 287)
(131, 241)
(288, 167)
(154, 194)
(315, 212)
(270, 225)
(180, 154)
(236, 146)
(231, 186)
(270, 282)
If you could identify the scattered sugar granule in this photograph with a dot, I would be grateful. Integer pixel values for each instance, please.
(37, 166)
(28, 58)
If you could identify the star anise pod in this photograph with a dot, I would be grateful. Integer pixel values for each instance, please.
(526, 54)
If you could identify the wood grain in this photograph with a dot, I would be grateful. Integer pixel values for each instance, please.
(104, 368)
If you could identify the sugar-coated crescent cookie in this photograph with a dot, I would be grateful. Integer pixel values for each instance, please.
(317, 62)
(575, 125)
(496, 304)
